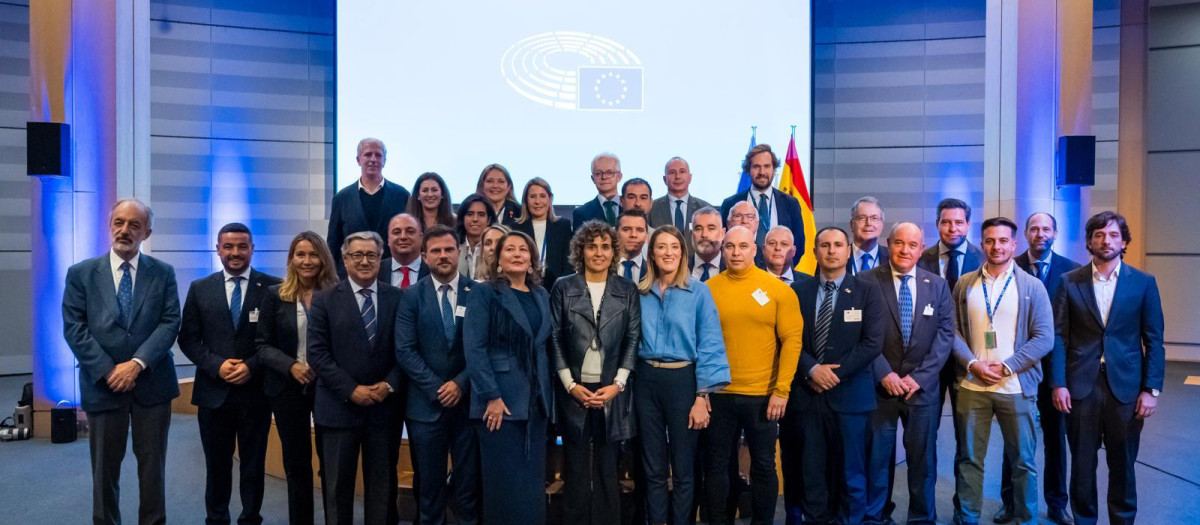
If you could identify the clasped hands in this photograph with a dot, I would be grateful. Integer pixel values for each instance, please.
(895, 385)
(367, 395)
(990, 372)
(123, 377)
(596, 399)
(234, 371)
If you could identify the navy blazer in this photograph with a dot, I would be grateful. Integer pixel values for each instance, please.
(930, 260)
(1131, 342)
(93, 330)
(346, 216)
(342, 357)
(504, 354)
(386, 273)
(789, 215)
(558, 249)
(276, 340)
(208, 338)
(590, 210)
(421, 348)
(932, 337)
(1059, 265)
(852, 344)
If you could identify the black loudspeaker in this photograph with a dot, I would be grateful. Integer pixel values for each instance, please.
(1076, 161)
(48, 149)
(64, 426)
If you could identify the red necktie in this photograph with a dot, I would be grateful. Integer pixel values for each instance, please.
(404, 282)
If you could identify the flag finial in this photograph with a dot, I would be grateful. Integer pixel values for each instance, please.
(793, 131)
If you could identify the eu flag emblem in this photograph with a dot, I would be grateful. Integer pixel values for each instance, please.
(607, 88)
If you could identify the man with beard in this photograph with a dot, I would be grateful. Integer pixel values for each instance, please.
(707, 233)
(220, 319)
(1108, 366)
(438, 386)
(405, 265)
(866, 223)
(774, 207)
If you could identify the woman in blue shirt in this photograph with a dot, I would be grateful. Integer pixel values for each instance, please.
(681, 359)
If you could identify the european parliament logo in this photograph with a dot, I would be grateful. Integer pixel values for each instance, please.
(574, 71)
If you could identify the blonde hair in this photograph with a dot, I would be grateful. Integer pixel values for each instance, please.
(483, 270)
(525, 215)
(652, 272)
(290, 289)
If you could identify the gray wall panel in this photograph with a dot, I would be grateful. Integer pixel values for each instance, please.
(1172, 99)
(1171, 180)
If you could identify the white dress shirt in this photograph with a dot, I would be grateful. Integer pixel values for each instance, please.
(1104, 289)
(358, 297)
(245, 275)
(414, 271)
(301, 331)
(856, 259)
(671, 201)
(116, 261)
(944, 255)
(638, 262)
(912, 286)
(453, 292)
(698, 266)
(1003, 322)
(772, 218)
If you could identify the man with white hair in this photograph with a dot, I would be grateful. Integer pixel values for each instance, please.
(866, 223)
(778, 250)
(366, 205)
(606, 174)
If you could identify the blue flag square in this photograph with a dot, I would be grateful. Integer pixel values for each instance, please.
(608, 88)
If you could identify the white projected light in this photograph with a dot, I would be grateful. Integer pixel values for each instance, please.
(542, 86)
(538, 68)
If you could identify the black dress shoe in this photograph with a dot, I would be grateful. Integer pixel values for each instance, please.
(1003, 515)
(1060, 516)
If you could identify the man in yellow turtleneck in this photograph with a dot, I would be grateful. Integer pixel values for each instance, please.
(762, 326)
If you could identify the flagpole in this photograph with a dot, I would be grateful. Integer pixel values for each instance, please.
(793, 131)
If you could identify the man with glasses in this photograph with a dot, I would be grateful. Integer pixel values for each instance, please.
(606, 174)
(351, 349)
(866, 223)
(774, 207)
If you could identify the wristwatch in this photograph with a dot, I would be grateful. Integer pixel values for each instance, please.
(702, 395)
(1154, 392)
(620, 385)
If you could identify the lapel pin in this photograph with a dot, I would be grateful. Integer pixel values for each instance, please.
(926, 280)
(847, 290)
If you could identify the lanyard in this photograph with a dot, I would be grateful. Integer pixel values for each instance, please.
(770, 205)
(991, 312)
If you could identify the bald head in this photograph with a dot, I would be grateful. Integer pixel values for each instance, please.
(404, 238)
(738, 248)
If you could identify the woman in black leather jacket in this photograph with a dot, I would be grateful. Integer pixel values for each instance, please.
(596, 326)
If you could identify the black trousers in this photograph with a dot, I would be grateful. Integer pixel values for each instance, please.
(591, 495)
(429, 444)
(379, 446)
(293, 421)
(514, 476)
(664, 398)
(729, 411)
(243, 421)
(108, 433)
(1099, 419)
(1054, 435)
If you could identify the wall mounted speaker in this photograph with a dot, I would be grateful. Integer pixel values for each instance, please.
(1076, 161)
(48, 149)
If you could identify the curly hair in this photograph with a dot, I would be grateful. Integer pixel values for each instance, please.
(586, 234)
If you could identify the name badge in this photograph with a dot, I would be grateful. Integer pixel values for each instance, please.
(852, 316)
(989, 340)
(460, 311)
(928, 310)
(254, 315)
(760, 296)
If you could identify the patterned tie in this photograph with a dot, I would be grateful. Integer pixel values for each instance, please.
(1041, 269)
(866, 262)
(906, 309)
(447, 315)
(628, 270)
(952, 268)
(610, 212)
(368, 314)
(705, 275)
(824, 319)
(764, 219)
(404, 282)
(125, 293)
(235, 301)
(679, 214)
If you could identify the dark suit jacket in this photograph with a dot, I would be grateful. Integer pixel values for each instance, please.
(277, 340)
(558, 249)
(619, 331)
(590, 210)
(1131, 342)
(662, 212)
(881, 259)
(932, 337)
(93, 330)
(506, 357)
(970, 262)
(386, 273)
(422, 351)
(1058, 266)
(346, 216)
(788, 209)
(853, 345)
(342, 357)
(208, 338)
(508, 216)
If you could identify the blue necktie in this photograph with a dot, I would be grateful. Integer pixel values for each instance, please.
(705, 275)
(125, 294)
(824, 319)
(906, 309)
(764, 219)
(629, 270)
(866, 262)
(952, 268)
(679, 214)
(1041, 268)
(447, 315)
(235, 302)
(368, 314)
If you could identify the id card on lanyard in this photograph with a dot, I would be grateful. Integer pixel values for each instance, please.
(989, 337)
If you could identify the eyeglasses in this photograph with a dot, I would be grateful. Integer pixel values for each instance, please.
(606, 174)
(359, 256)
(869, 219)
(744, 216)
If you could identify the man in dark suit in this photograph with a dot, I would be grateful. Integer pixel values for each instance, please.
(405, 266)
(637, 195)
(120, 318)
(677, 206)
(366, 205)
(826, 429)
(220, 319)
(774, 207)
(1040, 261)
(917, 340)
(777, 255)
(606, 174)
(866, 223)
(438, 383)
(708, 232)
(632, 233)
(1107, 367)
(354, 357)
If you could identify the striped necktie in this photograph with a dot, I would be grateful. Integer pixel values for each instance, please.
(824, 320)
(368, 314)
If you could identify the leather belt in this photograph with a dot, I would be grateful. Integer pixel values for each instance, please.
(669, 365)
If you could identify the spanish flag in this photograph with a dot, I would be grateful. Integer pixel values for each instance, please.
(792, 183)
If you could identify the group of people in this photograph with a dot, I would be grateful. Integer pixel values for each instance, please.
(664, 329)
